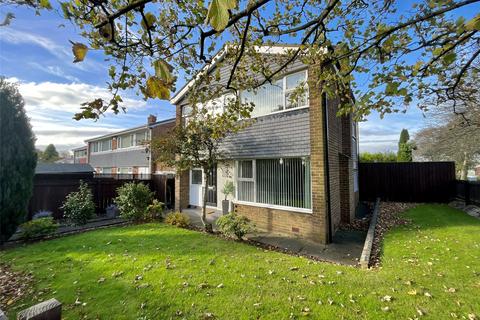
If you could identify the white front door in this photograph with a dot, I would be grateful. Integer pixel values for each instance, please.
(196, 184)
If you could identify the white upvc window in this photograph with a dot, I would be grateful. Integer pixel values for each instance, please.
(283, 94)
(280, 182)
(125, 170)
(101, 146)
(126, 141)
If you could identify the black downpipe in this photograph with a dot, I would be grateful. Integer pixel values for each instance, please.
(327, 166)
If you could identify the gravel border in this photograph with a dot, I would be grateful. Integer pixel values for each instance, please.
(389, 216)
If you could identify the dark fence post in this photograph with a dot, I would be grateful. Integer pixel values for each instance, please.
(467, 193)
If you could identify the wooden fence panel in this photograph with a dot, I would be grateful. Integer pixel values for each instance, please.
(50, 191)
(407, 181)
(468, 191)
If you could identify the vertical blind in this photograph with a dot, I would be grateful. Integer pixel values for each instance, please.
(283, 182)
(278, 95)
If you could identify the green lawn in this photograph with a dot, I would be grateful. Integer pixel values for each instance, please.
(431, 266)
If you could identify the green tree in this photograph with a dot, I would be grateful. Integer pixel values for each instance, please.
(17, 159)
(196, 143)
(405, 147)
(453, 136)
(404, 136)
(390, 60)
(50, 154)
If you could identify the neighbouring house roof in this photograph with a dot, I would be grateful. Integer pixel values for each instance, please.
(63, 168)
(145, 126)
(161, 122)
(79, 148)
(271, 49)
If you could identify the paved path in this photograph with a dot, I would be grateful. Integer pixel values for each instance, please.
(346, 248)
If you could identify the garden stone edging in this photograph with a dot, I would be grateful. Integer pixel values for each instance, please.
(367, 247)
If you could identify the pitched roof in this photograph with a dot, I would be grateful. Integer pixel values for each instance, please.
(62, 168)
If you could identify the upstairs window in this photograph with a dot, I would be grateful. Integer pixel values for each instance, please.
(126, 141)
(101, 146)
(283, 94)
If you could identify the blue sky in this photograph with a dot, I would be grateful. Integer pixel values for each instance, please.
(35, 51)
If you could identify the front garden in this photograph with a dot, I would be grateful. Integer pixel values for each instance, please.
(430, 269)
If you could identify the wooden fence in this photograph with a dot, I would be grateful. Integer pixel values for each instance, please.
(468, 191)
(407, 181)
(50, 190)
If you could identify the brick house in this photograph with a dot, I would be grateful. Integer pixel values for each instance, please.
(294, 170)
(126, 151)
(80, 154)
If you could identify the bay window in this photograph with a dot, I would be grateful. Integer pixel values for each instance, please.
(286, 93)
(280, 182)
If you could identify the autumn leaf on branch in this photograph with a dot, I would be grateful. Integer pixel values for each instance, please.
(157, 88)
(79, 51)
(218, 13)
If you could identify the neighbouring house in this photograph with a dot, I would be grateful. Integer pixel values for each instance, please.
(80, 154)
(127, 151)
(295, 170)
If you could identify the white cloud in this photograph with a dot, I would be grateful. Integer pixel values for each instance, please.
(66, 97)
(54, 70)
(50, 107)
(15, 36)
(62, 52)
(381, 135)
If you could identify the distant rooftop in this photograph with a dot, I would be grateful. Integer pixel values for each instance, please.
(63, 168)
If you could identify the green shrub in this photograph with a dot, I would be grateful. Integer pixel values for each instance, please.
(233, 224)
(378, 157)
(38, 228)
(228, 189)
(155, 210)
(78, 207)
(133, 200)
(178, 219)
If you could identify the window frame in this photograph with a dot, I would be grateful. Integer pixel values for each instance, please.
(265, 205)
(283, 79)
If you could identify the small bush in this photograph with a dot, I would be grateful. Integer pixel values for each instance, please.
(42, 214)
(233, 224)
(79, 206)
(133, 200)
(39, 228)
(155, 210)
(178, 219)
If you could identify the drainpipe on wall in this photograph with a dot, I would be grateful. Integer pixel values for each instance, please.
(327, 167)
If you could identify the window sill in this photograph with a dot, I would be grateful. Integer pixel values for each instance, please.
(272, 206)
(280, 112)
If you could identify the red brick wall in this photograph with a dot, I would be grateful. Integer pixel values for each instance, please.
(157, 132)
(282, 222)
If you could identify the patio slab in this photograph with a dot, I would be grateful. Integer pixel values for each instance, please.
(195, 215)
(346, 247)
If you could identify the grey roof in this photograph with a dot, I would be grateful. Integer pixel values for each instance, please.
(60, 168)
(160, 122)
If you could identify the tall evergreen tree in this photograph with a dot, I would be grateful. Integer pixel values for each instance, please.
(405, 148)
(17, 159)
(404, 136)
(50, 154)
